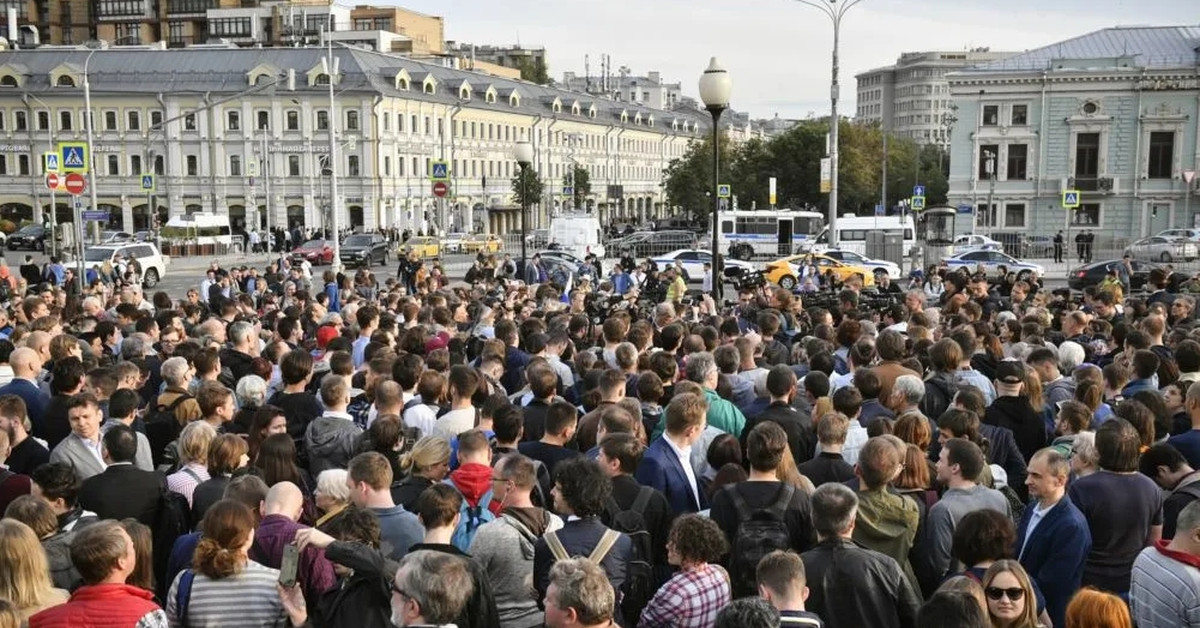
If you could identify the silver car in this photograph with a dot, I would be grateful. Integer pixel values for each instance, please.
(1160, 249)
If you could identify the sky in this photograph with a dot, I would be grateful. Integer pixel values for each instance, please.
(778, 51)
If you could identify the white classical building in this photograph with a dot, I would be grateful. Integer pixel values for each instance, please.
(225, 132)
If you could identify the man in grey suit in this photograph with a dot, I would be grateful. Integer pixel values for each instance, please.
(82, 449)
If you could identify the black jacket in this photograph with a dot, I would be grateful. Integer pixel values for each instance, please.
(1016, 414)
(826, 468)
(123, 491)
(881, 597)
(798, 426)
(1002, 450)
(406, 491)
(362, 599)
(237, 364)
(480, 611)
(939, 392)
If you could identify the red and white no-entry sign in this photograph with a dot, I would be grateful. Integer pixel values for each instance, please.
(76, 184)
(440, 189)
(53, 180)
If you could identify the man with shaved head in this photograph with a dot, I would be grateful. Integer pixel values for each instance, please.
(26, 365)
(277, 529)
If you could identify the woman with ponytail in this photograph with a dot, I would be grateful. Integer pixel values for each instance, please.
(222, 571)
(426, 464)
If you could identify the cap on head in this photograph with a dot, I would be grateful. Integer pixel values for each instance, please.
(1010, 372)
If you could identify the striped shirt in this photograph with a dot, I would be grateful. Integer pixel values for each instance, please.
(247, 599)
(185, 483)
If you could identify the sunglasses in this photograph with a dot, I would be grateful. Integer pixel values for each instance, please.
(995, 593)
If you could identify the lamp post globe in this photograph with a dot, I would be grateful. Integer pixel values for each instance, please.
(523, 154)
(715, 88)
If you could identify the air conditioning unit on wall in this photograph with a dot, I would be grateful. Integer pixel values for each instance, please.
(1108, 185)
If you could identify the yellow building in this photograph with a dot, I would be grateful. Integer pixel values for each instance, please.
(224, 133)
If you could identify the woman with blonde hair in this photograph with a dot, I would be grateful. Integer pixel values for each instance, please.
(37, 514)
(224, 587)
(1010, 597)
(194, 442)
(427, 463)
(788, 473)
(24, 570)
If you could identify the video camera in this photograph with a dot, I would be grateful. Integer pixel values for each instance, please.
(745, 279)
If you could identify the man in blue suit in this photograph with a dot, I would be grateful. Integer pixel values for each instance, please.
(666, 464)
(1053, 539)
(26, 364)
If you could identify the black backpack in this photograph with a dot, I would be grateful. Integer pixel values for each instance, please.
(760, 532)
(174, 520)
(162, 428)
(640, 583)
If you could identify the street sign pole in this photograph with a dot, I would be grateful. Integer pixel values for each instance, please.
(77, 203)
(53, 224)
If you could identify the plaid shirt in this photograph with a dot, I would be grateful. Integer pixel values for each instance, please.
(691, 598)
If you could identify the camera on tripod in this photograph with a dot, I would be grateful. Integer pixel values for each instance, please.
(744, 279)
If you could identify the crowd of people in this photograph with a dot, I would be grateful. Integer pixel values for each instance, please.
(394, 452)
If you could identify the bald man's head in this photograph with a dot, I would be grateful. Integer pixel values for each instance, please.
(284, 499)
(25, 362)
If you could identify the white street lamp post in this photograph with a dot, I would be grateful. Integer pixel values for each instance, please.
(523, 153)
(715, 88)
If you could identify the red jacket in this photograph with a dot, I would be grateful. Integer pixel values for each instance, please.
(99, 606)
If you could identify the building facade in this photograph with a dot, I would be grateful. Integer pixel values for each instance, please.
(649, 90)
(224, 134)
(1112, 114)
(912, 97)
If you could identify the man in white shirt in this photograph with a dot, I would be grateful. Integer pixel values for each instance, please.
(463, 382)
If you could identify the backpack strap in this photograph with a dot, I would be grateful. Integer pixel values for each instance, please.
(739, 503)
(606, 542)
(194, 475)
(556, 547)
(643, 500)
(183, 595)
(783, 500)
(613, 508)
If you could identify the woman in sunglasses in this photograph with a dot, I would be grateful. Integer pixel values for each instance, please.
(1009, 596)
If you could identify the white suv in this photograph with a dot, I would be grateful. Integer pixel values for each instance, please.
(154, 264)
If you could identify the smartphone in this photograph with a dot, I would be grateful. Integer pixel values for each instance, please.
(287, 569)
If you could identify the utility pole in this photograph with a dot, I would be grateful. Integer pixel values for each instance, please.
(991, 173)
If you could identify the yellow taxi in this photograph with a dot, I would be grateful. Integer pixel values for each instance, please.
(786, 271)
(424, 246)
(477, 242)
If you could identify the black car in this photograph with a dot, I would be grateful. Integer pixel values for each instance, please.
(32, 237)
(1092, 274)
(364, 249)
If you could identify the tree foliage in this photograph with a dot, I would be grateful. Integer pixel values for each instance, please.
(582, 184)
(534, 70)
(794, 159)
(532, 189)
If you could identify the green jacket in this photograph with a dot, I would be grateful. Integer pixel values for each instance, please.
(887, 523)
(722, 414)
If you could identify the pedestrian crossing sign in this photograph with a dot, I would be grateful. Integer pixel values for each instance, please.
(1070, 199)
(723, 191)
(148, 183)
(50, 162)
(439, 171)
(918, 203)
(73, 156)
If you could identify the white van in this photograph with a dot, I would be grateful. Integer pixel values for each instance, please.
(203, 228)
(577, 234)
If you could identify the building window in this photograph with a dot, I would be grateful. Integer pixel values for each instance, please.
(1162, 155)
(189, 122)
(235, 165)
(135, 121)
(1018, 157)
(23, 165)
(985, 216)
(991, 115)
(412, 127)
(1087, 155)
(321, 80)
(43, 118)
(114, 165)
(387, 121)
(322, 120)
(3, 164)
(1020, 115)
(426, 125)
(135, 164)
(400, 167)
(160, 164)
(293, 120)
(64, 120)
(20, 121)
(233, 120)
(988, 153)
(352, 166)
(65, 80)
(351, 120)
(156, 119)
(191, 165)
(110, 121)
(264, 120)
(293, 165)
(387, 166)
(1088, 215)
(1014, 215)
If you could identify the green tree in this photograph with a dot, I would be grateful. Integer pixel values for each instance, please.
(534, 70)
(532, 189)
(582, 185)
(688, 180)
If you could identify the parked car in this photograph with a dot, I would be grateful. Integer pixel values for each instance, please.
(143, 236)
(477, 242)
(1092, 274)
(992, 261)
(154, 265)
(976, 242)
(426, 247)
(115, 237)
(365, 249)
(877, 266)
(1162, 249)
(653, 243)
(317, 252)
(453, 242)
(32, 237)
(786, 272)
(693, 261)
(1186, 234)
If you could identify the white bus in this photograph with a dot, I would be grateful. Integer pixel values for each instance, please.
(852, 232)
(773, 233)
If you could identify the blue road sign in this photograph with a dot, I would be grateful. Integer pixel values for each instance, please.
(723, 191)
(96, 216)
(568, 190)
(879, 210)
(148, 183)
(918, 203)
(73, 156)
(51, 162)
(918, 190)
(1070, 199)
(964, 209)
(439, 171)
